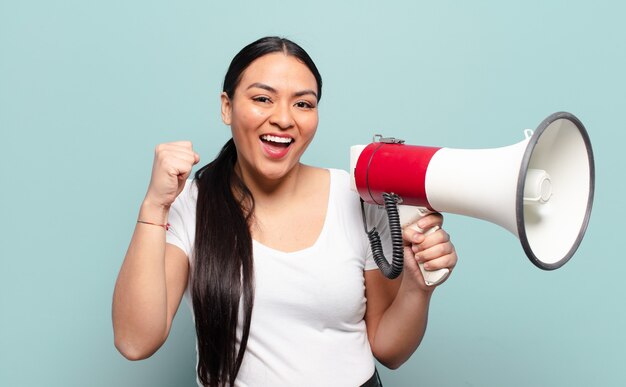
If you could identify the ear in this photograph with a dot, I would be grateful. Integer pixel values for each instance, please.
(227, 108)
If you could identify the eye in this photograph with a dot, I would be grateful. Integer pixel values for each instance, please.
(304, 105)
(262, 99)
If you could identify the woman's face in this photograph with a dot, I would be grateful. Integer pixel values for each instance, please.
(273, 115)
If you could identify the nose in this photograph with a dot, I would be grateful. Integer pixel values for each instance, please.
(282, 116)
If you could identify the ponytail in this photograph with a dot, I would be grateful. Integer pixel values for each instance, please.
(223, 268)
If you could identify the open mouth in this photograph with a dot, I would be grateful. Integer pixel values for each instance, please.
(276, 141)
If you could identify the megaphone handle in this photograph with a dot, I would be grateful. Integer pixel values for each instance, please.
(431, 277)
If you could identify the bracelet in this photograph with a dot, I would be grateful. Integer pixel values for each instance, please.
(166, 226)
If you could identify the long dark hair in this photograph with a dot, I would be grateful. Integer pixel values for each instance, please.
(223, 266)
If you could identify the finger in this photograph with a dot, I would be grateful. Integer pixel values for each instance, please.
(447, 261)
(412, 235)
(176, 164)
(175, 167)
(414, 232)
(429, 240)
(187, 156)
(172, 149)
(435, 251)
(430, 220)
(165, 151)
(184, 148)
(432, 239)
(183, 144)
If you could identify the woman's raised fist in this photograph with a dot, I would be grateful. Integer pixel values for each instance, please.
(172, 165)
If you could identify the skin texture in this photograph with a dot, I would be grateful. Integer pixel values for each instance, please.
(276, 96)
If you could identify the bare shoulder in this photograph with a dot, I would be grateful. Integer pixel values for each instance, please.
(316, 172)
(315, 177)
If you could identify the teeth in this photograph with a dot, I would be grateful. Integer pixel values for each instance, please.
(280, 140)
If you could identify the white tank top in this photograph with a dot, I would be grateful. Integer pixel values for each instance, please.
(307, 324)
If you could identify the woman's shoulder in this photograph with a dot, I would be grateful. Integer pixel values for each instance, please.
(336, 177)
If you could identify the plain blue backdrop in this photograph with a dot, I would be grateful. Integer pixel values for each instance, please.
(88, 88)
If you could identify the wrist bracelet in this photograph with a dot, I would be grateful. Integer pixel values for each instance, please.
(166, 226)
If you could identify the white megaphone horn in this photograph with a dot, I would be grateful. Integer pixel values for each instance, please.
(540, 189)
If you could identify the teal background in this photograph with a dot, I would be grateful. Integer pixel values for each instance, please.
(88, 88)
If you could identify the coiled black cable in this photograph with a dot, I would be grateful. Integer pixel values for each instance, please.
(394, 269)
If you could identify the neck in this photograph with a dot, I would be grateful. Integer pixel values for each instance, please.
(267, 191)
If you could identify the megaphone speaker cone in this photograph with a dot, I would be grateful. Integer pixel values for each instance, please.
(551, 231)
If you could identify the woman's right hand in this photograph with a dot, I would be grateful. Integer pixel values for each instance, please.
(172, 166)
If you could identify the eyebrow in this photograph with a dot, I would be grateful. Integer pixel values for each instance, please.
(272, 90)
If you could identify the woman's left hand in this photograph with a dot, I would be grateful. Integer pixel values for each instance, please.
(433, 249)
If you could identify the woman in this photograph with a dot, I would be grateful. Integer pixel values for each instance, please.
(271, 252)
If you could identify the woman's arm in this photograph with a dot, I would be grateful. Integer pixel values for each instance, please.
(148, 291)
(153, 277)
(397, 310)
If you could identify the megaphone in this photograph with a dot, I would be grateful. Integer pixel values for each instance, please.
(540, 189)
